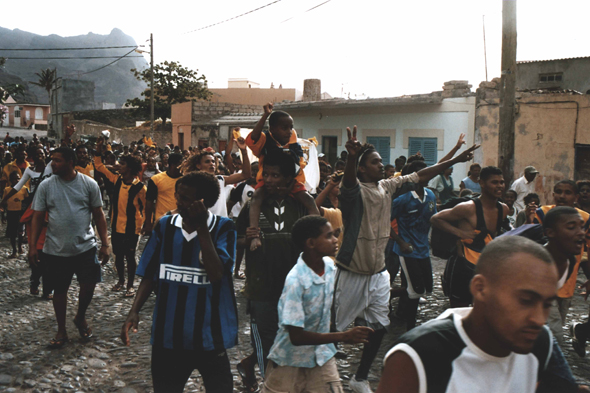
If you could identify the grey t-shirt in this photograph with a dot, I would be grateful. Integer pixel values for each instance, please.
(69, 204)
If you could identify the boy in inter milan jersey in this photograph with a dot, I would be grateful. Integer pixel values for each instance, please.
(413, 211)
(190, 256)
(127, 215)
(302, 357)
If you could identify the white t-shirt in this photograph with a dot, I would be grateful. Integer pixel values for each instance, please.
(522, 188)
(35, 177)
(220, 207)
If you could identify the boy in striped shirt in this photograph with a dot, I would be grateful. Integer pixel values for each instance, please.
(190, 256)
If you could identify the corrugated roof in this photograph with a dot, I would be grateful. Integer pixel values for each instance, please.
(541, 61)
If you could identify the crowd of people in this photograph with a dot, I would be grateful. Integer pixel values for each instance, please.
(320, 269)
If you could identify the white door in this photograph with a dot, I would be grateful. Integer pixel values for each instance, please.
(17, 116)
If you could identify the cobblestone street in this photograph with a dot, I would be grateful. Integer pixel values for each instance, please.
(27, 324)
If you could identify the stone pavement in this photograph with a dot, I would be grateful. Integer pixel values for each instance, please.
(27, 324)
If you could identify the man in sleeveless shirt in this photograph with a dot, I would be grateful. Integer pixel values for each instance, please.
(501, 344)
(475, 223)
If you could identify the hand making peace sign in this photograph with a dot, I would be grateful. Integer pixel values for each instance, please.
(353, 146)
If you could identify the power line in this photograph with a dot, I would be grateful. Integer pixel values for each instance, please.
(235, 17)
(312, 8)
(69, 58)
(106, 65)
(97, 47)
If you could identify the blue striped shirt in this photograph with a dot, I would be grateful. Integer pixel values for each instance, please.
(191, 313)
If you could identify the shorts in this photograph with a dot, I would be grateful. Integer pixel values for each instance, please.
(60, 270)
(297, 187)
(417, 277)
(361, 296)
(123, 243)
(300, 379)
(457, 279)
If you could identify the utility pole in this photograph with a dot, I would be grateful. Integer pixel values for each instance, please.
(485, 54)
(507, 91)
(152, 86)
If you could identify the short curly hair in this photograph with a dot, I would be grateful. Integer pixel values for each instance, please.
(133, 163)
(305, 228)
(204, 183)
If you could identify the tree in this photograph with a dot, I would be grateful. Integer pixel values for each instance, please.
(46, 80)
(10, 90)
(173, 84)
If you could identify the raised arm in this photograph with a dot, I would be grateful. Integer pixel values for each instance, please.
(246, 170)
(353, 147)
(255, 134)
(428, 173)
(229, 163)
(454, 150)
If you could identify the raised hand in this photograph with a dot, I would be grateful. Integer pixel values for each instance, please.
(461, 141)
(467, 155)
(353, 146)
(241, 142)
(268, 108)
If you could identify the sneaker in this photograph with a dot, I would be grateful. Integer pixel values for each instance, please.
(578, 341)
(359, 386)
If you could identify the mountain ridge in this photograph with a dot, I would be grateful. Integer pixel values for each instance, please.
(113, 84)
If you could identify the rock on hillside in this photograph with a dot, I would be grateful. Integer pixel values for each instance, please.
(114, 84)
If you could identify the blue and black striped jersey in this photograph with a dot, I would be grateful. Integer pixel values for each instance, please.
(191, 312)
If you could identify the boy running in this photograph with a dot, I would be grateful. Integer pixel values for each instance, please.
(302, 357)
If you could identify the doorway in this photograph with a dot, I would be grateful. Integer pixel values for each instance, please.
(582, 163)
(330, 148)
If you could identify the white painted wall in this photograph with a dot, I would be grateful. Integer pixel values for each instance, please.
(454, 116)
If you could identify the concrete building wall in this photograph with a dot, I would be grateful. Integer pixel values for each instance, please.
(252, 96)
(548, 129)
(576, 74)
(445, 121)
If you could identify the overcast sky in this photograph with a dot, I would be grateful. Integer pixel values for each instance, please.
(376, 48)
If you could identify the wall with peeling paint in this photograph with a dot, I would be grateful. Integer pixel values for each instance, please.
(547, 129)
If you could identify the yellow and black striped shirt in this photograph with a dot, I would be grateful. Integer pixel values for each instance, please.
(128, 202)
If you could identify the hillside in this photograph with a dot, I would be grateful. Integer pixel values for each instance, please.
(114, 84)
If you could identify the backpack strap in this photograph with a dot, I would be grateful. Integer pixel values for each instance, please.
(481, 221)
(500, 219)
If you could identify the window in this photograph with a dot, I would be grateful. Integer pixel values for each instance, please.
(426, 146)
(16, 111)
(38, 114)
(381, 144)
(551, 78)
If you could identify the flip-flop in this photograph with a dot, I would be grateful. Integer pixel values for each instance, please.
(118, 287)
(251, 386)
(85, 332)
(47, 297)
(57, 343)
(239, 276)
(130, 292)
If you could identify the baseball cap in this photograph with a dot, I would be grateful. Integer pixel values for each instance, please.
(530, 170)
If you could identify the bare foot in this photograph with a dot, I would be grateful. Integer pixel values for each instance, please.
(255, 244)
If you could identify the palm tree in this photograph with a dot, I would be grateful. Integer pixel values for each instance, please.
(46, 79)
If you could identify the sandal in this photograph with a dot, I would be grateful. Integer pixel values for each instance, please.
(34, 291)
(118, 287)
(57, 343)
(239, 275)
(130, 292)
(47, 297)
(248, 381)
(85, 332)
